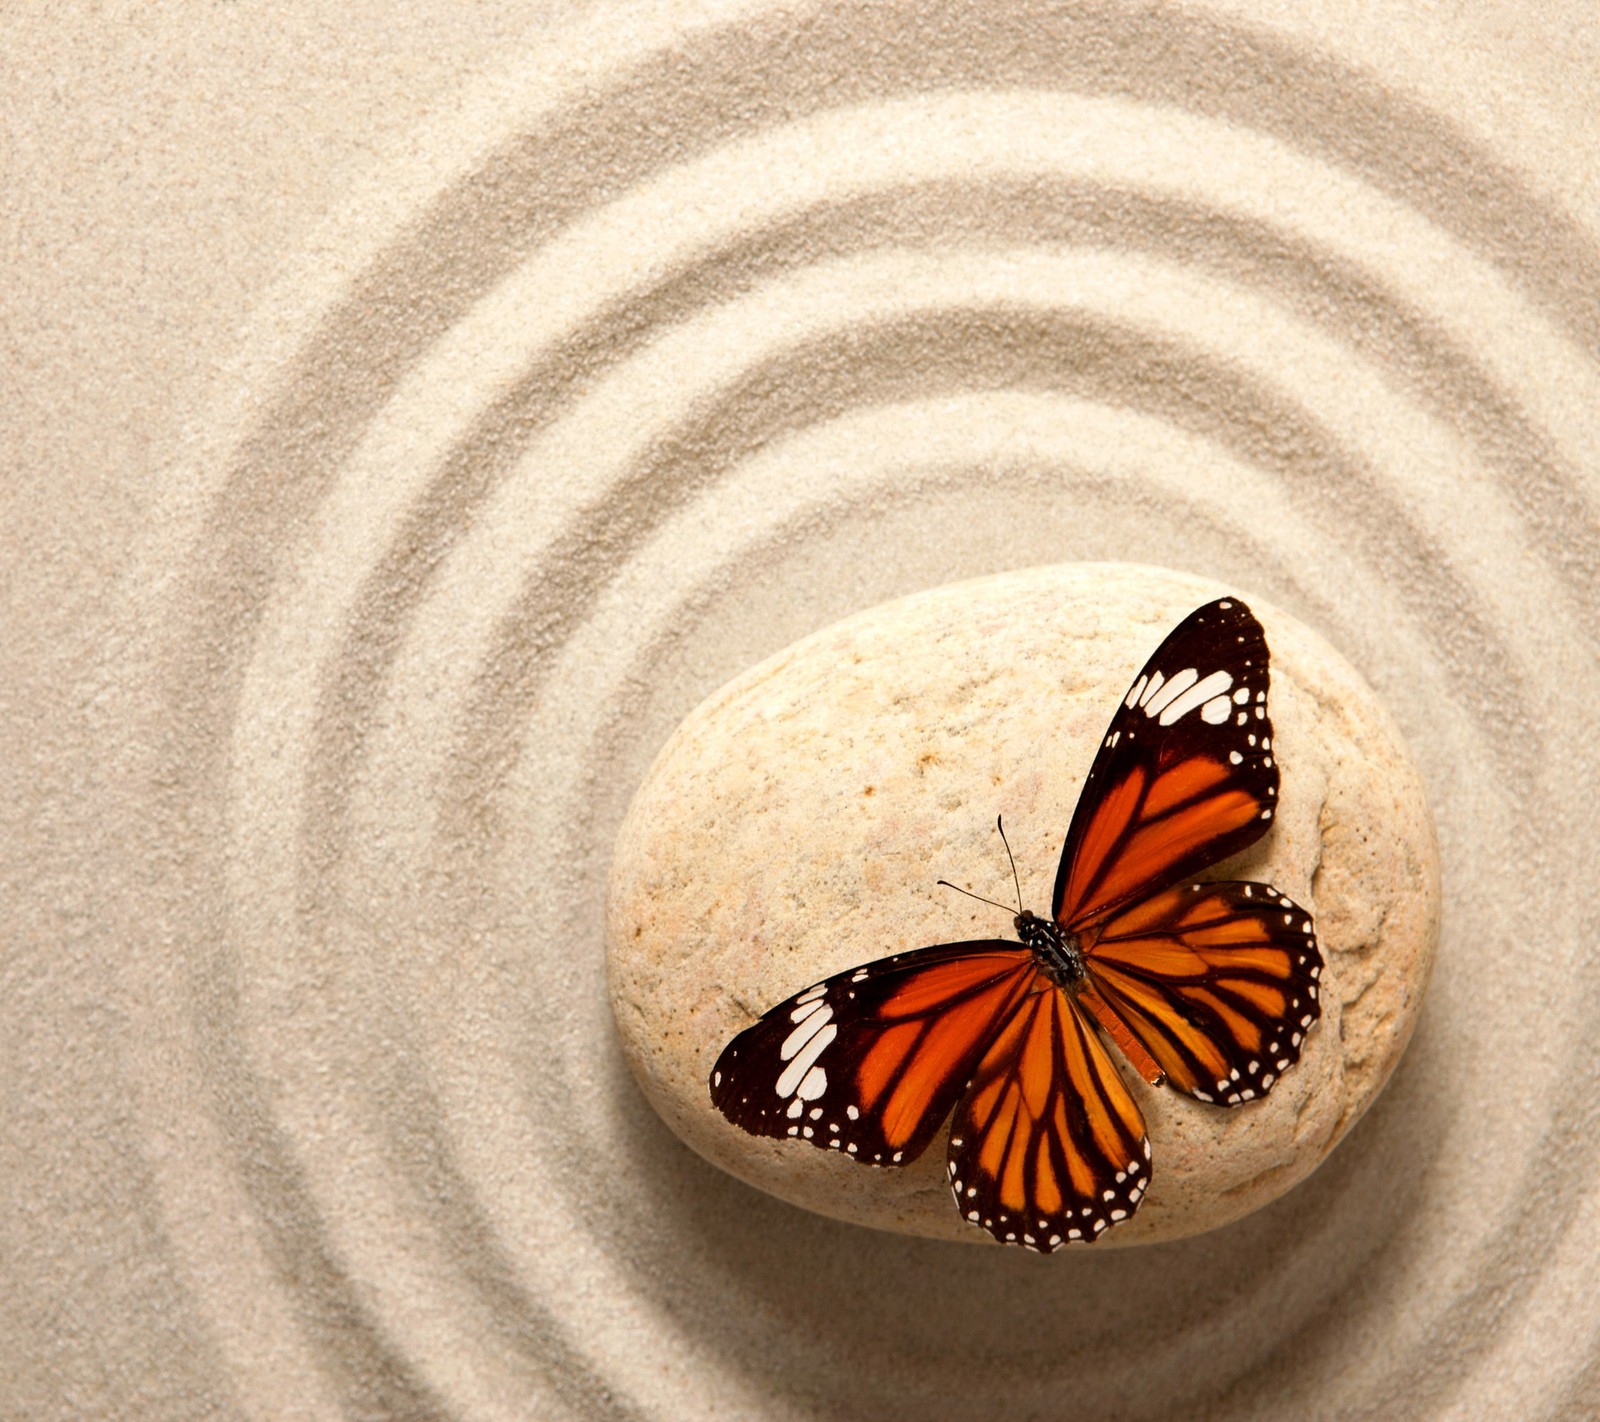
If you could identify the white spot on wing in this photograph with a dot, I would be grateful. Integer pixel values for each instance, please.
(1213, 687)
(795, 1072)
(813, 1023)
(1174, 688)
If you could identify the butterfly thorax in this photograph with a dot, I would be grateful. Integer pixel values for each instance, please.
(1057, 951)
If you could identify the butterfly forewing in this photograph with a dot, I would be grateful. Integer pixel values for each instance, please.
(870, 1062)
(1185, 775)
(1217, 981)
(1048, 1146)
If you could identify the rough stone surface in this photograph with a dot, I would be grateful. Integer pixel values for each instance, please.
(796, 822)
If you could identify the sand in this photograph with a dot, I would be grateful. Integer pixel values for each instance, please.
(408, 420)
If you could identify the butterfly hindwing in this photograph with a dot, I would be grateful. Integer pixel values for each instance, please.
(1218, 982)
(1185, 775)
(870, 1062)
(1048, 1145)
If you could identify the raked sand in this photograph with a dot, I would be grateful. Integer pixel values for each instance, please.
(411, 415)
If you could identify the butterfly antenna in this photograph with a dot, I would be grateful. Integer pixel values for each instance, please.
(968, 892)
(1012, 858)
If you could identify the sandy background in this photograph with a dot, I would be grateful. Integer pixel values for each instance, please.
(407, 421)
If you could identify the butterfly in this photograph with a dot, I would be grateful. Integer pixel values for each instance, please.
(1209, 987)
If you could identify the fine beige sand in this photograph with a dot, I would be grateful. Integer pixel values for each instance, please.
(409, 415)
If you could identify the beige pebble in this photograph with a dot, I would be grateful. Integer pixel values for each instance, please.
(796, 822)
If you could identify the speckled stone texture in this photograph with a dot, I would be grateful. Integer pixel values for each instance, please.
(795, 824)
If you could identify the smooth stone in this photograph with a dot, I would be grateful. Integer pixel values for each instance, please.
(795, 823)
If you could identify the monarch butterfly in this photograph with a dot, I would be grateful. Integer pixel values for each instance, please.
(1208, 987)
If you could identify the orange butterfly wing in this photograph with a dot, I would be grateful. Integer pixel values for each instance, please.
(1185, 774)
(870, 1062)
(1047, 1145)
(1218, 982)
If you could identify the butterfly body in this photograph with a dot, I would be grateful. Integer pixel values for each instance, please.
(1055, 950)
(1208, 987)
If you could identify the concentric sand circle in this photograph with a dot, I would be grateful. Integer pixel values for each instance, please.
(694, 335)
